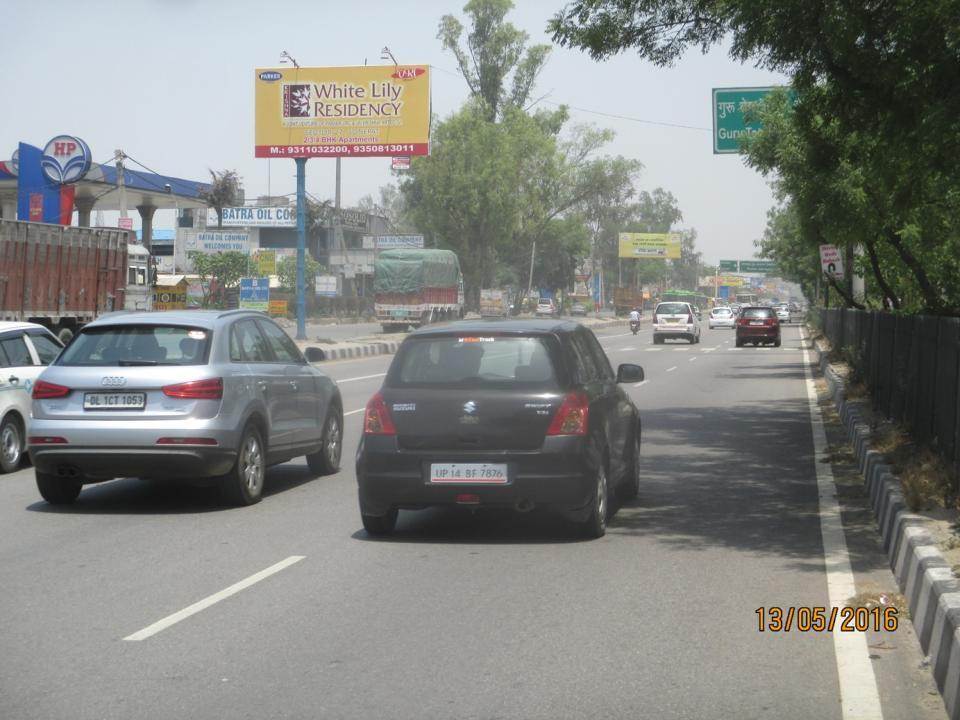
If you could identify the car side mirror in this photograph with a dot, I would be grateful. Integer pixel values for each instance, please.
(629, 373)
(314, 354)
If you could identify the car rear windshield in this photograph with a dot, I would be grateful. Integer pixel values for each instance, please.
(758, 313)
(722, 311)
(672, 309)
(131, 345)
(473, 362)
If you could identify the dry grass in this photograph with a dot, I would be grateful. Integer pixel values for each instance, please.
(871, 600)
(926, 482)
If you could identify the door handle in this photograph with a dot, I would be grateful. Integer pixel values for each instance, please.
(294, 386)
(13, 379)
(262, 385)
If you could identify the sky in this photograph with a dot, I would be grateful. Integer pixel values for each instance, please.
(170, 83)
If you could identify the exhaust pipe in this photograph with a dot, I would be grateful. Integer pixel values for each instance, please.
(68, 471)
(523, 505)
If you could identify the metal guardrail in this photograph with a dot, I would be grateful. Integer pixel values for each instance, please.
(911, 365)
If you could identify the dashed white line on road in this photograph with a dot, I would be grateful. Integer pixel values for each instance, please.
(858, 685)
(672, 369)
(354, 412)
(361, 377)
(710, 349)
(653, 349)
(691, 359)
(686, 349)
(625, 349)
(641, 383)
(169, 620)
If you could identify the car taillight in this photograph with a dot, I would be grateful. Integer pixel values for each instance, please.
(43, 390)
(572, 415)
(376, 418)
(211, 389)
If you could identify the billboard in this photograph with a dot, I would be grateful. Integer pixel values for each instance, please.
(267, 262)
(831, 261)
(255, 217)
(255, 294)
(368, 111)
(655, 246)
(214, 242)
(389, 242)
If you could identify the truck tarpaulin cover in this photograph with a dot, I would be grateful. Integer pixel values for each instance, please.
(408, 271)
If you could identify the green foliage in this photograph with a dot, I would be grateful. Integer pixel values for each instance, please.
(287, 272)
(225, 190)
(220, 272)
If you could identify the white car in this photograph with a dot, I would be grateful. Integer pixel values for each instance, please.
(675, 320)
(25, 350)
(722, 317)
(546, 306)
(783, 313)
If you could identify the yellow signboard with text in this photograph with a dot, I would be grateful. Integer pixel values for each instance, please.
(650, 246)
(369, 111)
(267, 262)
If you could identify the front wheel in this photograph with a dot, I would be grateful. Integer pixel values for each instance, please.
(11, 444)
(380, 524)
(243, 485)
(57, 490)
(739, 343)
(326, 460)
(595, 526)
(776, 343)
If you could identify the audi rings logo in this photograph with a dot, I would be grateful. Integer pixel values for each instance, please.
(113, 381)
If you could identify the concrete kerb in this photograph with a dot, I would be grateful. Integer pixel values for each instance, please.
(926, 580)
(365, 347)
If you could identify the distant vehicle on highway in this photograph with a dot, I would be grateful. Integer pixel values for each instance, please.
(675, 320)
(216, 396)
(529, 414)
(546, 307)
(759, 326)
(25, 349)
(578, 309)
(721, 317)
(783, 312)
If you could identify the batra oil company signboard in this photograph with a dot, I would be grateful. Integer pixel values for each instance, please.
(370, 111)
(255, 217)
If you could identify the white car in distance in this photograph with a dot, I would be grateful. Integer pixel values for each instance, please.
(722, 317)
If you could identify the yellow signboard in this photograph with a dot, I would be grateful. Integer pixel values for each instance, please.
(652, 246)
(169, 299)
(729, 281)
(369, 111)
(267, 262)
(278, 308)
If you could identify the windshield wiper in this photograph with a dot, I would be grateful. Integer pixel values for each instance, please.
(136, 363)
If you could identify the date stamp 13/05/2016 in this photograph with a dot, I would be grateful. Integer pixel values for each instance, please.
(824, 619)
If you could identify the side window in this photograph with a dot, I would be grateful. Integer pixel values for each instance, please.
(599, 356)
(283, 347)
(586, 366)
(253, 346)
(16, 349)
(47, 349)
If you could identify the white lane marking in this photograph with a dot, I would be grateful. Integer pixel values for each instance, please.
(858, 685)
(672, 369)
(691, 359)
(653, 349)
(686, 349)
(625, 349)
(166, 622)
(641, 383)
(710, 349)
(354, 412)
(361, 377)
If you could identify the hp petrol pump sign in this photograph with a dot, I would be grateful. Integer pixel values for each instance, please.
(65, 159)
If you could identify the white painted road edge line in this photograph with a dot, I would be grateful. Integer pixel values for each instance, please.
(672, 369)
(362, 377)
(166, 622)
(641, 383)
(859, 697)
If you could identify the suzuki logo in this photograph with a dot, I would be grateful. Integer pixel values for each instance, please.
(470, 407)
(113, 381)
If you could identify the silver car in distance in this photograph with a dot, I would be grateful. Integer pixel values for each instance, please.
(209, 395)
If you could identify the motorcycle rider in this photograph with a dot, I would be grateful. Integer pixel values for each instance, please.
(635, 320)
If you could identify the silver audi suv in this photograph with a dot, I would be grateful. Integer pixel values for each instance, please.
(204, 395)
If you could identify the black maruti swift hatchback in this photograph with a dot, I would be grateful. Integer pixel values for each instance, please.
(519, 414)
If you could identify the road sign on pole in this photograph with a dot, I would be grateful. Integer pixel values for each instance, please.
(757, 266)
(728, 265)
(831, 261)
(730, 109)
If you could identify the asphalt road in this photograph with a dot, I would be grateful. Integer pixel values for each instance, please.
(460, 615)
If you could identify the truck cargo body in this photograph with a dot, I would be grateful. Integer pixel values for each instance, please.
(60, 277)
(626, 299)
(416, 287)
(493, 303)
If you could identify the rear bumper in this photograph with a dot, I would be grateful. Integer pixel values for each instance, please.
(105, 463)
(758, 333)
(558, 476)
(685, 330)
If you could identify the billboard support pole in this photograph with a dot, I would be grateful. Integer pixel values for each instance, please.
(301, 246)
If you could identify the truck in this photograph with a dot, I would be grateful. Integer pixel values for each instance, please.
(626, 299)
(63, 277)
(416, 287)
(494, 303)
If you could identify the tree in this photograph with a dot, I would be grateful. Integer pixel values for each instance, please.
(220, 272)
(225, 190)
(494, 49)
(287, 272)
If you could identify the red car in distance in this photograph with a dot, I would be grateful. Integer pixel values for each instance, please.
(758, 325)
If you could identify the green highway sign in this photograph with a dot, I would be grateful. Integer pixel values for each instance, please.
(728, 266)
(730, 106)
(757, 266)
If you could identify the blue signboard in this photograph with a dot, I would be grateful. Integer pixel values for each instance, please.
(255, 293)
